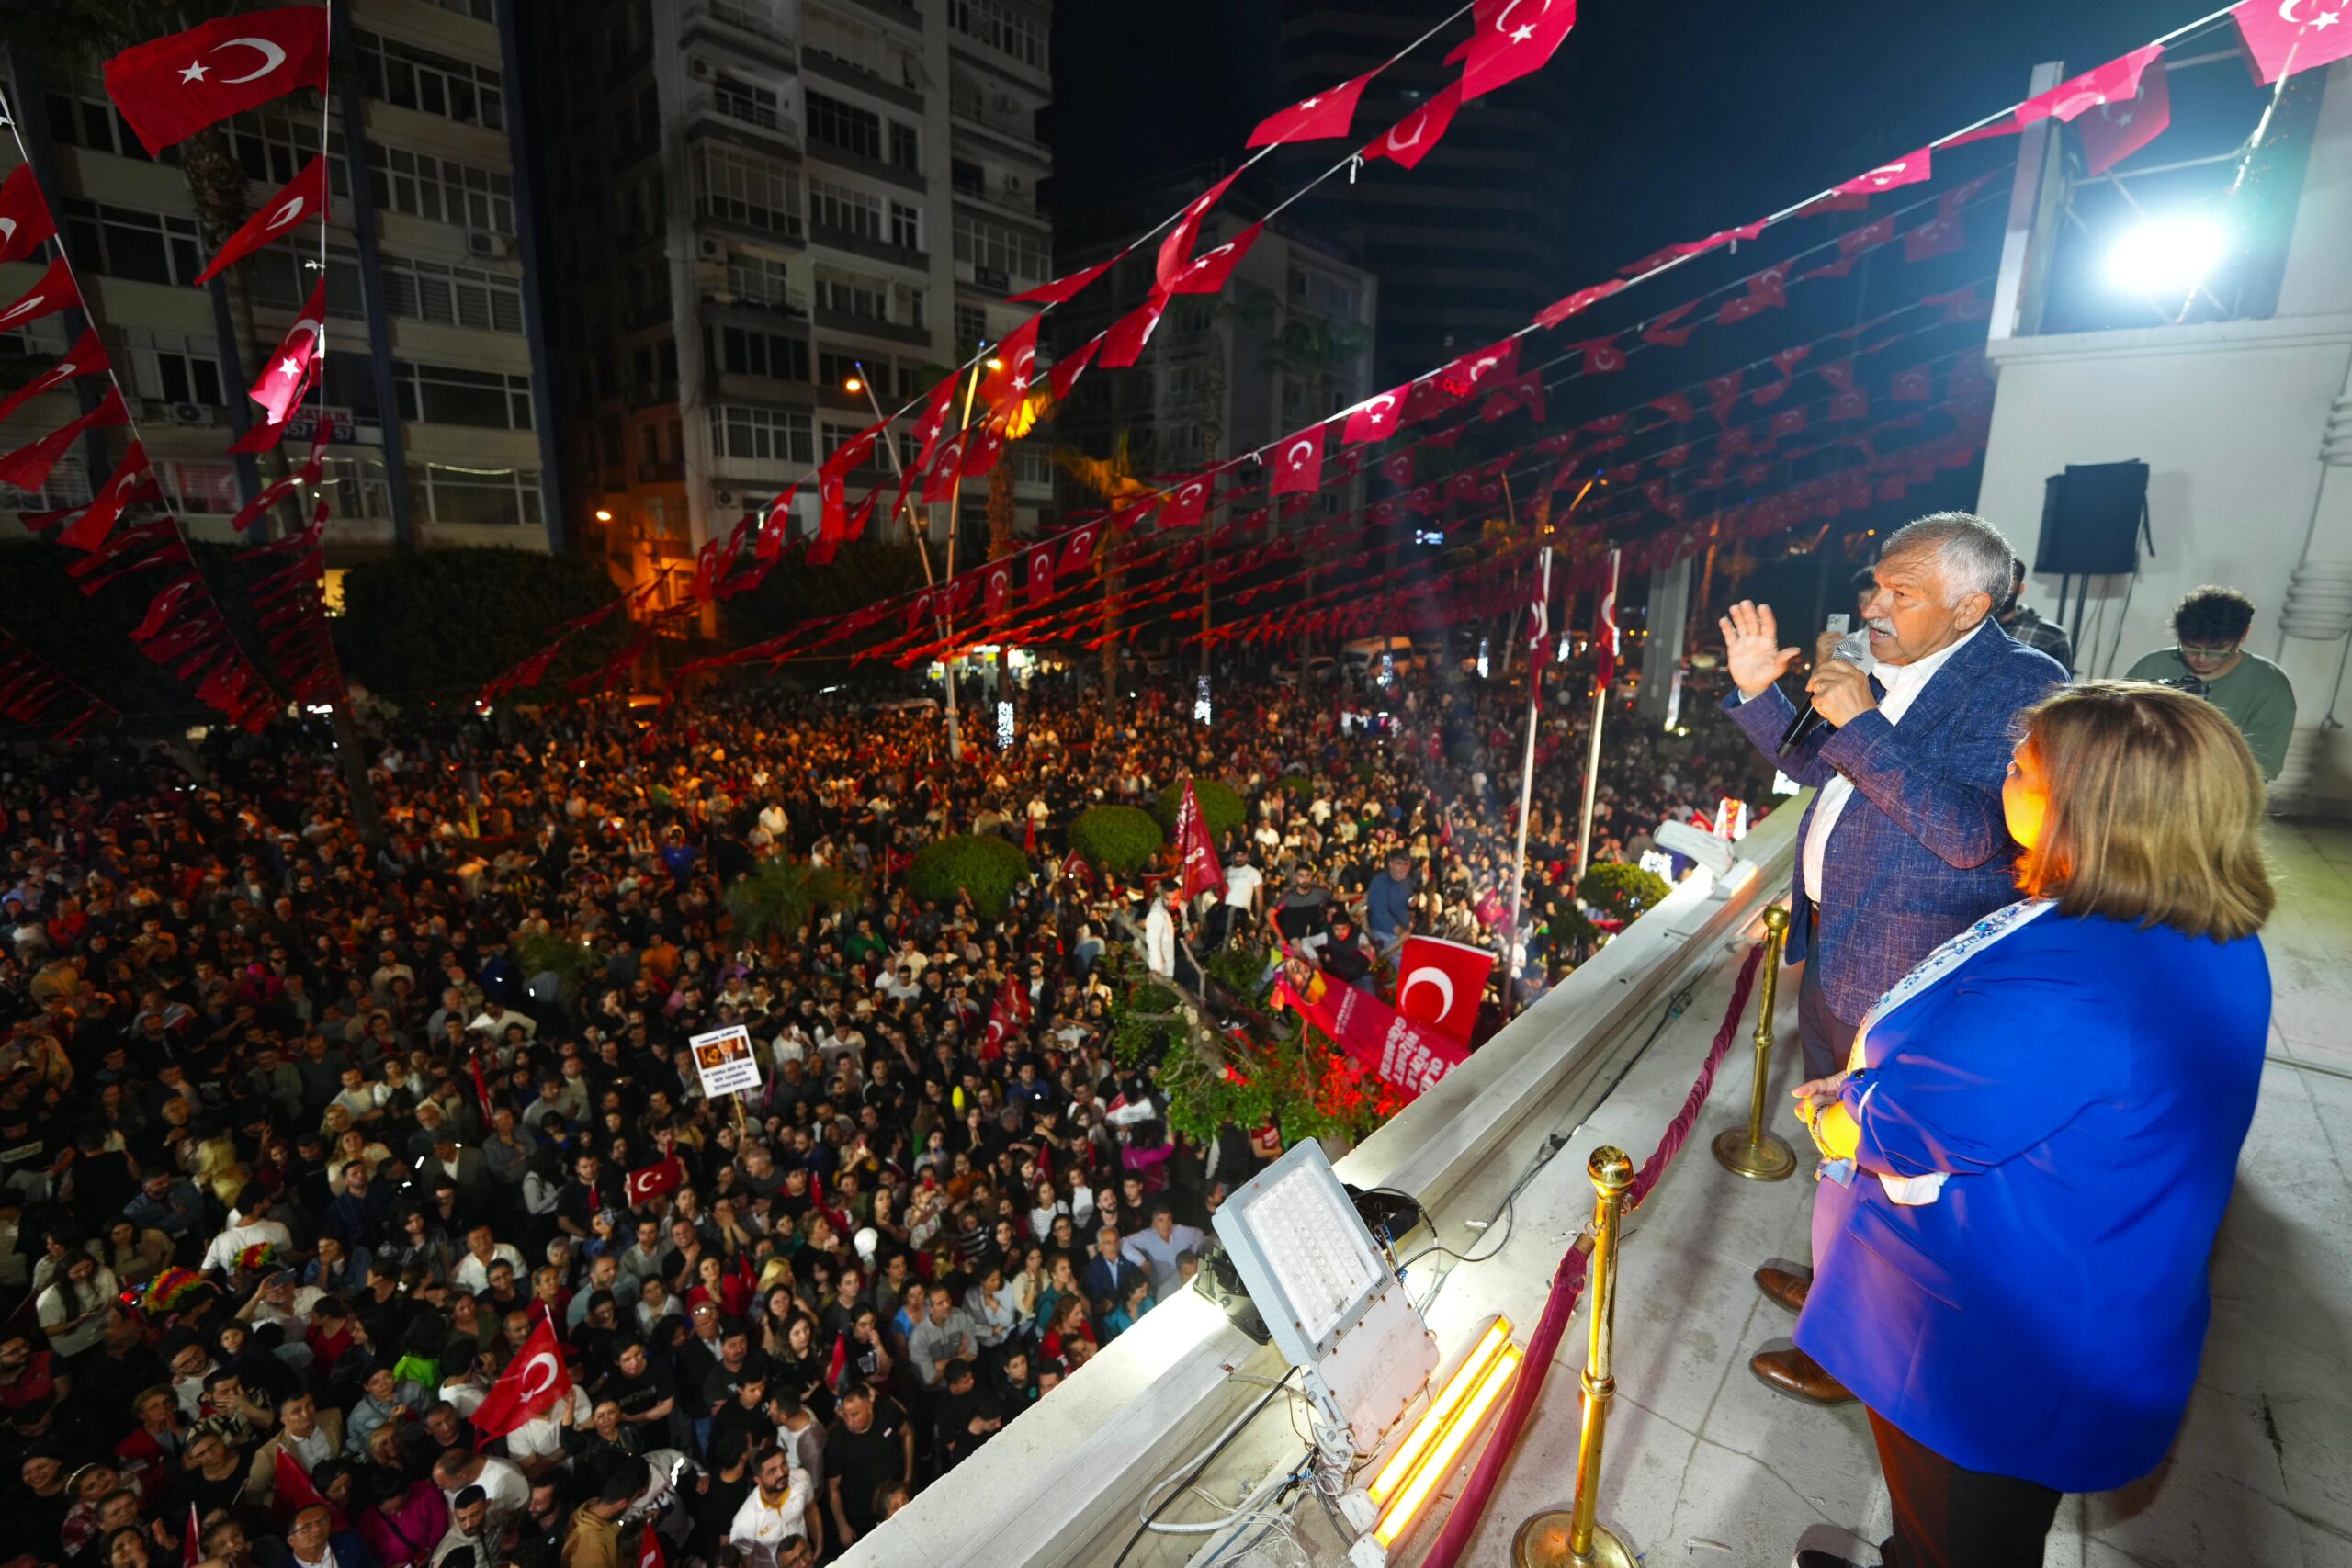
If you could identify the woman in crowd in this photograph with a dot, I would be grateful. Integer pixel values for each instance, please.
(2032, 1148)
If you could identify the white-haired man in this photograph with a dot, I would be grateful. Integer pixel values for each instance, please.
(1904, 846)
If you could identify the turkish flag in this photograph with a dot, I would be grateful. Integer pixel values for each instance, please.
(291, 369)
(1186, 504)
(1519, 393)
(1439, 983)
(1740, 307)
(1604, 634)
(1411, 139)
(1911, 387)
(863, 516)
(291, 1491)
(1041, 576)
(1066, 372)
(133, 481)
(1664, 330)
(1408, 1055)
(657, 1180)
(946, 463)
(983, 449)
(2113, 131)
(24, 216)
(1198, 852)
(1176, 250)
(2282, 41)
(1840, 374)
(1601, 355)
(1318, 118)
(1539, 608)
(1936, 237)
(1398, 469)
(1298, 463)
(1016, 369)
(51, 293)
(1078, 549)
(250, 512)
(1788, 422)
(1062, 289)
(1000, 590)
(1207, 273)
(87, 357)
(1907, 170)
(304, 200)
(530, 1385)
(1675, 406)
(1868, 237)
(1472, 372)
(1512, 37)
(931, 423)
(1374, 417)
(1560, 309)
(170, 88)
(1854, 404)
(1129, 336)
(27, 466)
(2112, 82)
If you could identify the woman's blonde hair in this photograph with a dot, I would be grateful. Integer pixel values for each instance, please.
(2154, 813)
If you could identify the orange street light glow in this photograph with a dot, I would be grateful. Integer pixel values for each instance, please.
(1408, 1503)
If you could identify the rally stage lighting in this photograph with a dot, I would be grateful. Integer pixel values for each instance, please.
(2168, 255)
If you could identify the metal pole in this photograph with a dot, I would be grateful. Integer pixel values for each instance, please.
(1526, 782)
(1599, 710)
(1751, 1151)
(954, 509)
(898, 466)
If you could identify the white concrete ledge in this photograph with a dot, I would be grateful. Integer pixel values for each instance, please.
(1060, 1484)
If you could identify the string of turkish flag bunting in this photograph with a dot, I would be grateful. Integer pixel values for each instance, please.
(2119, 108)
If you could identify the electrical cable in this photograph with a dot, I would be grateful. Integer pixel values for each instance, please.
(1193, 1468)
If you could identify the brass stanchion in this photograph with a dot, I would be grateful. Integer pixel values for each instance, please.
(1576, 1538)
(1751, 1151)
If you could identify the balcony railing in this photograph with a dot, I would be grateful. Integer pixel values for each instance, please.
(761, 292)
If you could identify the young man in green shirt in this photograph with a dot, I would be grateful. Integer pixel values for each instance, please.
(2211, 661)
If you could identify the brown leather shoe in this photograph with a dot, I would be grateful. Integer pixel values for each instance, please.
(1798, 1375)
(1783, 1287)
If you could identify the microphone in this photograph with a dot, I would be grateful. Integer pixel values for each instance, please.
(1854, 649)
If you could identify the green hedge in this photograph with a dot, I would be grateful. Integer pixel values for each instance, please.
(1118, 839)
(982, 864)
(1221, 806)
(783, 896)
(1619, 890)
(437, 623)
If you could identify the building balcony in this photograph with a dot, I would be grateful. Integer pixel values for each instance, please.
(760, 224)
(661, 473)
(713, 108)
(858, 245)
(745, 288)
(823, 151)
(850, 73)
(871, 326)
(741, 24)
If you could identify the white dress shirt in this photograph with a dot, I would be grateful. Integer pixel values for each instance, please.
(1904, 683)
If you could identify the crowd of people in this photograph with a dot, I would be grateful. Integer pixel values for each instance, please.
(305, 1140)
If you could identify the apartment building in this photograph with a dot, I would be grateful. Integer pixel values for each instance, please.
(434, 384)
(754, 201)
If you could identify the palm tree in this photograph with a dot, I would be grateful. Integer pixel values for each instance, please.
(1112, 479)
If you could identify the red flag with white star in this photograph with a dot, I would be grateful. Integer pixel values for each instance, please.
(1604, 634)
(1129, 336)
(1067, 371)
(1413, 138)
(1207, 273)
(1907, 170)
(1016, 369)
(2115, 82)
(1512, 37)
(1078, 549)
(280, 387)
(1318, 118)
(133, 481)
(2114, 131)
(1374, 417)
(1041, 576)
(303, 199)
(1298, 463)
(1176, 250)
(1186, 504)
(2285, 37)
(1063, 288)
(170, 88)
(87, 357)
(1576, 303)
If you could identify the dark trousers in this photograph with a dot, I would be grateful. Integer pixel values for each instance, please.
(1827, 1039)
(1946, 1516)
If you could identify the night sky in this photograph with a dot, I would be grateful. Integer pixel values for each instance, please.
(1686, 118)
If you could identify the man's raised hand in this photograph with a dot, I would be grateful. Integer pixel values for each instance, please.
(1752, 650)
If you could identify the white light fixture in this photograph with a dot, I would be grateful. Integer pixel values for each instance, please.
(1202, 706)
(1332, 1303)
(2166, 256)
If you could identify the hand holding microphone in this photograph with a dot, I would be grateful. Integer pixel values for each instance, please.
(1840, 690)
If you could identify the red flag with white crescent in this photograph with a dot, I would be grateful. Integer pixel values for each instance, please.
(1413, 138)
(51, 293)
(1207, 273)
(1510, 38)
(132, 482)
(1374, 417)
(303, 200)
(1176, 250)
(27, 466)
(87, 357)
(656, 1180)
(529, 1386)
(1327, 114)
(1439, 984)
(2113, 130)
(1298, 463)
(2285, 37)
(1041, 576)
(170, 88)
(24, 216)
(279, 388)
(1907, 170)
(1604, 635)
(2113, 83)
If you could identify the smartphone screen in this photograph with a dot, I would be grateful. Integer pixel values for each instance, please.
(1841, 624)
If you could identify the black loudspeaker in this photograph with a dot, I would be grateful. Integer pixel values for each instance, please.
(2091, 518)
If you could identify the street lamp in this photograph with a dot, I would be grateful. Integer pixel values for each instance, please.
(603, 515)
(853, 386)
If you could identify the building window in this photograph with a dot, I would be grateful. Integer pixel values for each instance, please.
(875, 298)
(480, 10)
(762, 436)
(1014, 252)
(451, 296)
(1000, 27)
(906, 226)
(844, 126)
(906, 147)
(443, 493)
(1033, 466)
(121, 241)
(972, 328)
(746, 190)
(90, 120)
(841, 207)
(441, 394)
(762, 280)
(857, 45)
(968, 179)
(282, 275)
(780, 358)
(272, 145)
(441, 189)
(356, 487)
(199, 487)
(414, 78)
(748, 102)
(68, 485)
(177, 368)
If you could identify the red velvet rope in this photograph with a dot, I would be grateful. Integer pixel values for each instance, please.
(1567, 1288)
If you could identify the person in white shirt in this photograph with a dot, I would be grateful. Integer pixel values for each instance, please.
(776, 1512)
(1159, 933)
(472, 1273)
(1157, 1247)
(508, 1492)
(251, 1228)
(1239, 906)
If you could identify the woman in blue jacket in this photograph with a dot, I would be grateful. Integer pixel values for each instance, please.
(2030, 1154)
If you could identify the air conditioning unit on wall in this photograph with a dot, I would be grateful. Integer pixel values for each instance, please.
(481, 242)
(194, 413)
(710, 249)
(722, 498)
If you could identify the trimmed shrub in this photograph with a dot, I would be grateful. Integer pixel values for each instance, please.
(782, 895)
(1221, 806)
(1119, 838)
(981, 864)
(1619, 890)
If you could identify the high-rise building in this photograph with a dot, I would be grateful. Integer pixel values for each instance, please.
(752, 202)
(1466, 246)
(433, 385)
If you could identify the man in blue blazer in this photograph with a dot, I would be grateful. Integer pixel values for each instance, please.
(1904, 844)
